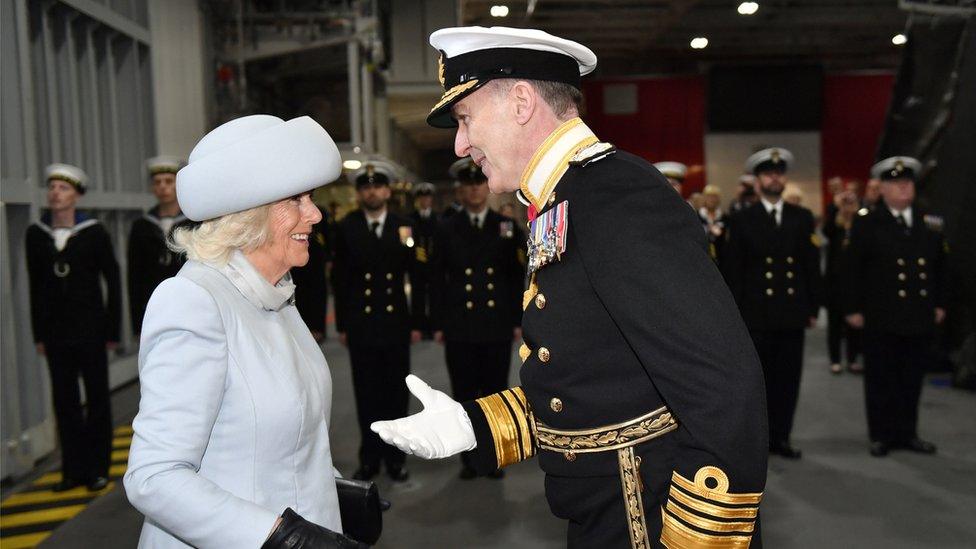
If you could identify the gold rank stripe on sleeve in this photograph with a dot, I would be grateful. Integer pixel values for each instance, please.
(702, 513)
(510, 421)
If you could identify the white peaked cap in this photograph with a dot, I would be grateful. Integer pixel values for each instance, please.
(775, 156)
(255, 160)
(66, 172)
(675, 170)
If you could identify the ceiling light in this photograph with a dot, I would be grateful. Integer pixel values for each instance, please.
(899, 39)
(352, 164)
(748, 8)
(699, 42)
(499, 11)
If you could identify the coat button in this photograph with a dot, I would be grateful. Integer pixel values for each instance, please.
(490, 286)
(790, 291)
(923, 276)
(570, 456)
(468, 271)
(368, 309)
(368, 276)
(769, 291)
(490, 271)
(468, 287)
(789, 274)
(389, 276)
(491, 303)
(902, 293)
(368, 292)
(901, 262)
(540, 301)
(902, 276)
(389, 308)
(923, 292)
(469, 305)
(543, 354)
(789, 259)
(769, 275)
(556, 405)
(389, 291)
(769, 260)
(921, 261)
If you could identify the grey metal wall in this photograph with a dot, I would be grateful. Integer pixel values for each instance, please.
(76, 88)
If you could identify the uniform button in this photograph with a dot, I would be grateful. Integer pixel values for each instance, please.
(389, 276)
(769, 275)
(921, 261)
(901, 262)
(468, 271)
(389, 291)
(923, 293)
(769, 291)
(556, 405)
(368, 309)
(368, 292)
(570, 456)
(490, 271)
(543, 354)
(790, 291)
(469, 305)
(389, 308)
(540, 301)
(789, 274)
(490, 286)
(789, 259)
(902, 293)
(901, 276)
(769, 260)
(368, 276)
(468, 287)
(923, 276)
(491, 303)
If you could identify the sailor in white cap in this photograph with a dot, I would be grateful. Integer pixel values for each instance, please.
(231, 444)
(621, 400)
(771, 260)
(674, 171)
(69, 256)
(149, 258)
(898, 288)
(375, 253)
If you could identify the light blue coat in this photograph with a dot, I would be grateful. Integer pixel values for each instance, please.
(233, 423)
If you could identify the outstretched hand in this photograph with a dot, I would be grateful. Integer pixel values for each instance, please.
(441, 430)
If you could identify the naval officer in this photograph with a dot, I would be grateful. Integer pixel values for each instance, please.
(646, 433)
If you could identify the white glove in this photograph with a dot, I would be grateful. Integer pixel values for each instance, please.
(441, 430)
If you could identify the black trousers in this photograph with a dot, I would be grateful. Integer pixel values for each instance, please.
(781, 355)
(477, 370)
(85, 432)
(377, 378)
(894, 367)
(838, 331)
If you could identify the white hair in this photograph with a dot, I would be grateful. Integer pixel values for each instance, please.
(214, 240)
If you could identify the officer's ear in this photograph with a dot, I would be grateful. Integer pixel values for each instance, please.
(526, 101)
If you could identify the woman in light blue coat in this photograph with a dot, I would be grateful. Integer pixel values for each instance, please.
(231, 444)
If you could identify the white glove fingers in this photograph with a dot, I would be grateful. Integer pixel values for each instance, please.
(421, 390)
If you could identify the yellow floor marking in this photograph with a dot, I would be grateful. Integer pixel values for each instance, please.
(48, 478)
(23, 541)
(120, 455)
(121, 442)
(125, 430)
(37, 517)
(44, 496)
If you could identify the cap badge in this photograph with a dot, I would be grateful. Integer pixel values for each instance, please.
(440, 70)
(775, 156)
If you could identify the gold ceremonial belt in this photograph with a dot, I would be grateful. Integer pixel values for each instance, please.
(611, 437)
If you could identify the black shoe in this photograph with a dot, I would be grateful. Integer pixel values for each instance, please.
(879, 449)
(467, 473)
(497, 474)
(365, 472)
(65, 485)
(397, 474)
(97, 483)
(920, 446)
(784, 449)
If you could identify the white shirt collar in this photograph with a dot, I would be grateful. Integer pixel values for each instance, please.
(381, 218)
(906, 213)
(254, 287)
(551, 160)
(480, 217)
(425, 213)
(778, 206)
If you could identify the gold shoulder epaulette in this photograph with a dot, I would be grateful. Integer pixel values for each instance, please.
(592, 153)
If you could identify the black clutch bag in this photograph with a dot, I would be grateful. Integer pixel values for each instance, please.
(361, 509)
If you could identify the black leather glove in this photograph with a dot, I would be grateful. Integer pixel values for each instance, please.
(294, 532)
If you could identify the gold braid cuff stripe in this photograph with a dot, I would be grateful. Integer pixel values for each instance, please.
(611, 437)
(631, 484)
(454, 92)
(720, 493)
(710, 509)
(675, 535)
(509, 420)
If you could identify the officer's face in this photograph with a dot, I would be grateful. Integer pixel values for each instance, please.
(61, 195)
(485, 133)
(475, 196)
(711, 201)
(373, 197)
(290, 224)
(898, 193)
(164, 187)
(771, 182)
(872, 191)
(425, 202)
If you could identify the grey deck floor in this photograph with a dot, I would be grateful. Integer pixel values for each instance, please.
(836, 496)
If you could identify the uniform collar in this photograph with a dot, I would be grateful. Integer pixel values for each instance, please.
(778, 206)
(82, 222)
(906, 214)
(258, 291)
(552, 158)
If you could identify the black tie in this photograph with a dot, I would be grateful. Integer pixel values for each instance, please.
(374, 227)
(476, 222)
(901, 223)
(772, 215)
